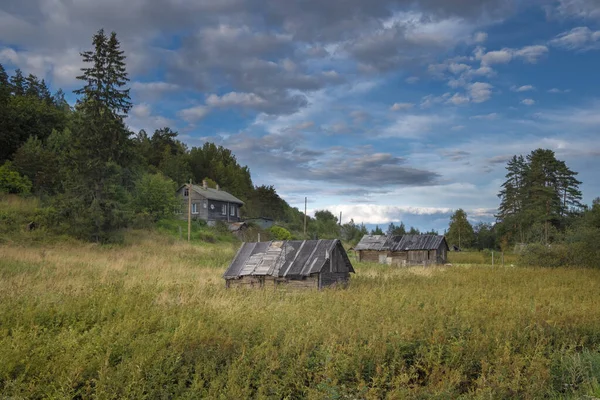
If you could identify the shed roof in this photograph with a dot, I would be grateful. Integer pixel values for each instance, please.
(401, 242)
(214, 194)
(288, 259)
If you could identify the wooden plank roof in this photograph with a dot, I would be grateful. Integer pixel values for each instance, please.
(288, 259)
(401, 242)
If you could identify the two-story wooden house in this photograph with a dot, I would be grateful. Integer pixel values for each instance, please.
(209, 204)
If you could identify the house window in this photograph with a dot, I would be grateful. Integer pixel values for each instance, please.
(186, 192)
(205, 203)
(237, 211)
(232, 210)
(194, 208)
(224, 209)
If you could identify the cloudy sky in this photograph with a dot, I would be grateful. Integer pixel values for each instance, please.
(384, 110)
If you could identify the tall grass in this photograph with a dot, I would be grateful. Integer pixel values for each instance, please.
(482, 257)
(152, 319)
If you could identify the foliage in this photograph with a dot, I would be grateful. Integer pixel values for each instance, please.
(460, 231)
(376, 231)
(539, 192)
(353, 233)
(279, 233)
(12, 182)
(153, 319)
(155, 196)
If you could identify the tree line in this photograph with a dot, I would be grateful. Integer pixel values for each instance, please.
(93, 174)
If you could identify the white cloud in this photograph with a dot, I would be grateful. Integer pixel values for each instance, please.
(480, 37)
(458, 99)
(497, 57)
(382, 214)
(525, 88)
(412, 126)
(456, 68)
(412, 79)
(580, 39)
(528, 102)
(235, 99)
(532, 54)
(489, 117)
(556, 90)
(154, 86)
(401, 106)
(193, 114)
(141, 117)
(480, 92)
(458, 128)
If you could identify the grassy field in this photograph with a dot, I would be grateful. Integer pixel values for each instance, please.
(152, 319)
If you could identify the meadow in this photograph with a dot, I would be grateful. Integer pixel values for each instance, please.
(152, 319)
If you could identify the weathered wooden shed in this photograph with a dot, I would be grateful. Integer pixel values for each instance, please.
(292, 263)
(403, 249)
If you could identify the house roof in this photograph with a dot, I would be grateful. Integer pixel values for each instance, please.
(288, 259)
(214, 194)
(401, 242)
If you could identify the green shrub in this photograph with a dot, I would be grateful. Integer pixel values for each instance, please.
(279, 233)
(12, 182)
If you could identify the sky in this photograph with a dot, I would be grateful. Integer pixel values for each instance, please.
(385, 111)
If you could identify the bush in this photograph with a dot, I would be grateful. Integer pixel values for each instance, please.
(279, 233)
(12, 182)
(537, 254)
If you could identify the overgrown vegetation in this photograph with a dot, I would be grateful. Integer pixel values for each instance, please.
(152, 319)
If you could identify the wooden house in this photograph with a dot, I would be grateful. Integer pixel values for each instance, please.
(291, 263)
(209, 204)
(403, 249)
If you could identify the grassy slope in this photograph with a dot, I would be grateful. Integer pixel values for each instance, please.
(152, 319)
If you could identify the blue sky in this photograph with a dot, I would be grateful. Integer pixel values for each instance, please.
(384, 110)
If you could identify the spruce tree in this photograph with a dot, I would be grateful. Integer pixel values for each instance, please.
(102, 147)
(18, 83)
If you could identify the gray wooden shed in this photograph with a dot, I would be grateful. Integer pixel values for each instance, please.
(403, 249)
(292, 263)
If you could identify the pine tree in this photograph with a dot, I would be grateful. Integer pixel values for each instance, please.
(18, 83)
(33, 86)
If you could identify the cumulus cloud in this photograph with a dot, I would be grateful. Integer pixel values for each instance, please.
(401, 106)
(193, 114)
(458, 99)
(529, 54)
(480, 92)
(528, 102)
(480, 37)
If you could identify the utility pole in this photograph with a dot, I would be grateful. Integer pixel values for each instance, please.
(305, 200)
(189, 210)
(340, 218)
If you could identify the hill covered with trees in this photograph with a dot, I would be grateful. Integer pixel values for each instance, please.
(95, 176)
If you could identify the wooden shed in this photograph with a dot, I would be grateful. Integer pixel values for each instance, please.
(403, 249)
(292, 263)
